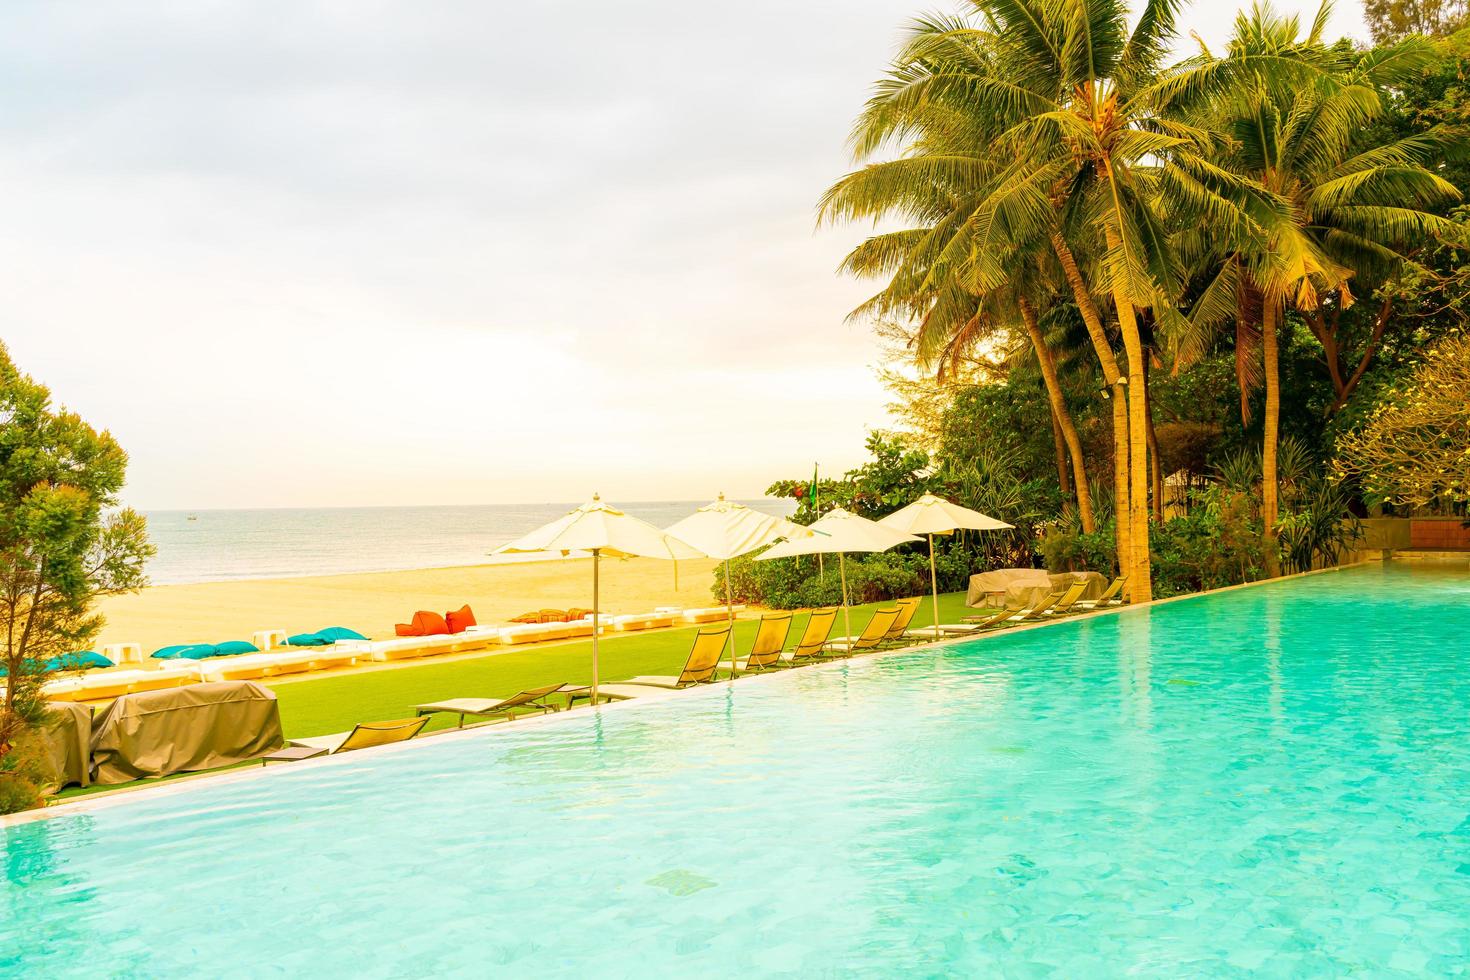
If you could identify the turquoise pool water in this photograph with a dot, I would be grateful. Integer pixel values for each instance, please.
(1273, 780)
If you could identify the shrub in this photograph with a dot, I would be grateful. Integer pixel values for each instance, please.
(1068, 549)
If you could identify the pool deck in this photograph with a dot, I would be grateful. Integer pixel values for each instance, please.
(193, 782)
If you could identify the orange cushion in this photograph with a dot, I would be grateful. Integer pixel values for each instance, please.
(527, 618)
(405, 629)
(460, 620)
(429, 624)
(577, 612)
(553, 616)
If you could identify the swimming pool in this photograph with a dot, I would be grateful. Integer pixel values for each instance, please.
(1273, 779)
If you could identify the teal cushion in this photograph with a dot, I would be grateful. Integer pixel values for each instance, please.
(233, 648)
(81, 660)
(307, 640)
(185, 651)
(334, 633)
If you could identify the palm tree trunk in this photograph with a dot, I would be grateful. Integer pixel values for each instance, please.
(1064, 478)
(1270, 315)
(1060, 414)
(1156, 466)
(1140, 582)
(1112, 377)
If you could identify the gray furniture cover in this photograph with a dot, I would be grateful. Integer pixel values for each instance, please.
(184, 729)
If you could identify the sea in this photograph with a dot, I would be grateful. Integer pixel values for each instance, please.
(224, 545)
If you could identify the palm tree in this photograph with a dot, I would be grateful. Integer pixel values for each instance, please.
(1350, 208)
(924, 284)
(1083, 134)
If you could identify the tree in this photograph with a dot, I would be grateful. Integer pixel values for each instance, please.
(1414, 447)
(1394, 20)
(1351, 208)
(63, 545)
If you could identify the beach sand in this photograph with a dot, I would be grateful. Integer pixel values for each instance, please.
(372, 602)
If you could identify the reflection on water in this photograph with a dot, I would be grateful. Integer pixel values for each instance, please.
(1269, 780)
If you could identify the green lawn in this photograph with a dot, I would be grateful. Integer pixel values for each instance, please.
(323, 705)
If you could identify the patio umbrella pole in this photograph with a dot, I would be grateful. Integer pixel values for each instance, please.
(596, 623)
(730, 617)
(934, 584)
(846, 616)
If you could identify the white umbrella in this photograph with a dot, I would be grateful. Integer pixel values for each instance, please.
(931, 515)
(724, 530)
(602, 530)
(840, 532)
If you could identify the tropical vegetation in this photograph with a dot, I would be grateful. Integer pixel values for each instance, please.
(1142, 297)
(63, 545)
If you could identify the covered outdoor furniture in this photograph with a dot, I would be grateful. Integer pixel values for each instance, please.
(66, 743)
(364, 736)
(185, 729)
(528, 701)
(1093, 583)
(1013, 587)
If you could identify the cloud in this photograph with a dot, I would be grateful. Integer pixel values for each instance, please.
(332, 252)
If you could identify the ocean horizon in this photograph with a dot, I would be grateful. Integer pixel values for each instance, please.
(287, 542)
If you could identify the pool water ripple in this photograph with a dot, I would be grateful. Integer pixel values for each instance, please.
(1272, 780)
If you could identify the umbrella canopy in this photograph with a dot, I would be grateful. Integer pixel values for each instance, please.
(598, 526)
(931, 515)
(935, 515)
(603, 530)
(724, 530)
(839, 532)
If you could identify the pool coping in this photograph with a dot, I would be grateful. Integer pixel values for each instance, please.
(198, 781)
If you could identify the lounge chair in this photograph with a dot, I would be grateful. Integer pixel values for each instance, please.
(873, 635)
(898, 633)
(700, 668)
(1004, 617)
(770, 641)
(1067, 601)
(1112, 597)
(818, 631)
(532, 700)
(365, 736)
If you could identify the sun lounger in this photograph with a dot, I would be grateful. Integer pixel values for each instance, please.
(1004, 617)
(411, 647)
(364, 736)
(709, 614)
(534, 633)
(704, 659)
(813, 638)
(898, 633)
(1067, 601)
(871, 637)
(770, 641)
(1112, 597)
(642, 621)
(532, 700)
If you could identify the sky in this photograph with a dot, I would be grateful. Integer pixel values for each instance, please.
(310, 253)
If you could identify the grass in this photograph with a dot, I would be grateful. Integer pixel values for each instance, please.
(324, 705)
(320, 706)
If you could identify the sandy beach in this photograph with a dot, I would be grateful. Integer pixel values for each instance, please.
(373, 602)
